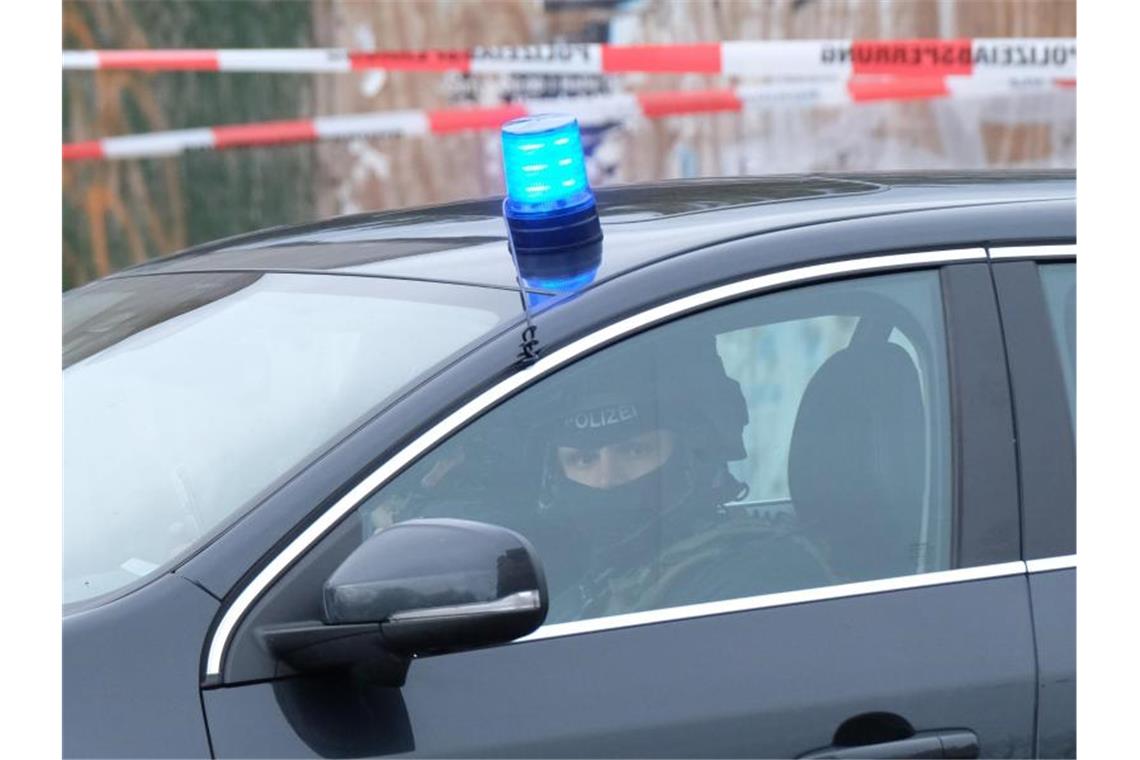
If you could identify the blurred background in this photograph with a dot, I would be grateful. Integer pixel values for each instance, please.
(120, 212)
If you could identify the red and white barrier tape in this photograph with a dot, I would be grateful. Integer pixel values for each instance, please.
(1042, 56)
(589, 111)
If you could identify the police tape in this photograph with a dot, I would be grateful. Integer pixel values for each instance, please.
(590, 111)
(1045, 56)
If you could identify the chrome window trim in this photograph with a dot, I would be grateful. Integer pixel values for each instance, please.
(783, 599)
(1051, 563)
(523, 601)
(1035, 252)
(253, 590)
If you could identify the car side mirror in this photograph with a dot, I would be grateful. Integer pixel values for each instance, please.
(419, 587)
(440, 585)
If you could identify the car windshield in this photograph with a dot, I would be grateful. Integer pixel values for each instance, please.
(189, 396)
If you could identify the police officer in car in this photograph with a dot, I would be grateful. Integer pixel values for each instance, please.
(622, 484)
(635, 486)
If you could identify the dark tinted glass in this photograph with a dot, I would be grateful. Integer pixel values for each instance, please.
(1060, 284)
(788, 441)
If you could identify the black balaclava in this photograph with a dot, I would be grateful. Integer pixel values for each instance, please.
(626, 525)
(599, 419)
(679, 387)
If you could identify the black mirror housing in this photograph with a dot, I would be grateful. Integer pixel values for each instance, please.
(437, 585)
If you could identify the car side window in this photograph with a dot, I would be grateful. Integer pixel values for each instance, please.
(1060, 284)
(792, 440)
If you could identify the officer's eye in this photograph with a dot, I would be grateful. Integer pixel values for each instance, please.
(636, 448)
(580, 458)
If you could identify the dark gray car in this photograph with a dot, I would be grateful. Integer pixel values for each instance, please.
(794, 476)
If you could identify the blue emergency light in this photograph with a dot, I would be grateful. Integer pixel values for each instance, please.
(555, 234)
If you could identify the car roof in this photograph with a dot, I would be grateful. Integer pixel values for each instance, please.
(466, 242)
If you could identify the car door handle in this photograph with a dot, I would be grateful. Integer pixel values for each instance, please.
(953, 743)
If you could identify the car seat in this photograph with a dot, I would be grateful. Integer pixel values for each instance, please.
(856, 464)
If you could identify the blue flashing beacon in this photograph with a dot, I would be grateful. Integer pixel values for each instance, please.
(555, 234)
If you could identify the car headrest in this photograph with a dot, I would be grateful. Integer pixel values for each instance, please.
(856, 465)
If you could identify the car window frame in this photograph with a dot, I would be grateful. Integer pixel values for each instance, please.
(1046, 438)
(223, 567)
(960, 319)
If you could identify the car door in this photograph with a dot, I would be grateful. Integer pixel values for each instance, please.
(1036, 287)
(826, 559)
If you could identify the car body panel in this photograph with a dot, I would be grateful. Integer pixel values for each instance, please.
(130, 674)
(1054, 596)
(722, 686)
